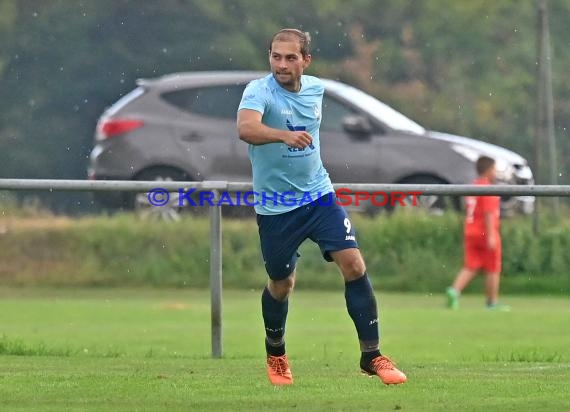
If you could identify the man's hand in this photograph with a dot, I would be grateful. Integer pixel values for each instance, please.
(299, 139)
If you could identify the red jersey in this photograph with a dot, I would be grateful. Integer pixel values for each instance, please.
(476, 207)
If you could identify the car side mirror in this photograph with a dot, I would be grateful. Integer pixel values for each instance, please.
(357, 125)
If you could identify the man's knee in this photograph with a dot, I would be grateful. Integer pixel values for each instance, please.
(351, 265)
(353, 269)
(280, 289)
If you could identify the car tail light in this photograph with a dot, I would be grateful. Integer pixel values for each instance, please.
(115, 127)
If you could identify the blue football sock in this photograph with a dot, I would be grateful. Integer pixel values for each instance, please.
(274, 318)
(362, 308)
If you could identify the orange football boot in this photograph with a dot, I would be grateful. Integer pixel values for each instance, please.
(278, 370)
(385, 369)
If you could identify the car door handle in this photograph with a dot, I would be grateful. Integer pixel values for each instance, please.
(192, 137)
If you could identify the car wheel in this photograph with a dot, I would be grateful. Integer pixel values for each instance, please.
(142, 204)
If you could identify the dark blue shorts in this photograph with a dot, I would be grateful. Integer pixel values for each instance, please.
(322, 221)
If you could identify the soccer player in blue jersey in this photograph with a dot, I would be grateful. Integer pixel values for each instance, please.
(279, 116)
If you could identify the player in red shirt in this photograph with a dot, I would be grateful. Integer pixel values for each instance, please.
(482, 240)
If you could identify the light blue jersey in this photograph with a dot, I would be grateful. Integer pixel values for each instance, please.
(287, 177)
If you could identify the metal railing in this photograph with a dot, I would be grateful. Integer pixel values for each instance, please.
(136, 186)
(216, 187)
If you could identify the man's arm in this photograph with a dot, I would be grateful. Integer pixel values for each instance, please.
(490, 231)
(253, 131)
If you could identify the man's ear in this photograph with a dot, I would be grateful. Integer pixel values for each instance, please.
(307, 61)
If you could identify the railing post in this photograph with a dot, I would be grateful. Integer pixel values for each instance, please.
(216, 277)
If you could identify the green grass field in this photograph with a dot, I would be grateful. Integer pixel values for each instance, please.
(135, 350)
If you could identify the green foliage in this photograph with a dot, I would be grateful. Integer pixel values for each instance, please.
(7, 19)
(404, 252)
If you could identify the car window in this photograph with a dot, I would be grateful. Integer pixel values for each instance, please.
(214, 101)
(333, 114)
(384, 113)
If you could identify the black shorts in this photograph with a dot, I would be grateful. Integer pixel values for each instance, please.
(323, 221)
